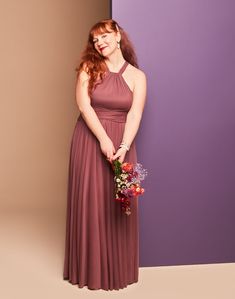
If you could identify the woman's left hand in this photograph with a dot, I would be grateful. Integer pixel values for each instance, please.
(120, 154)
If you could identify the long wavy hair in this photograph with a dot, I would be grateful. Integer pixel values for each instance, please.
(93, 62)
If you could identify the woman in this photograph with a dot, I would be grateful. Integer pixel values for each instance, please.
(102, 243)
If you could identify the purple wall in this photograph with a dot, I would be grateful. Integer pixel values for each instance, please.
(187, 136)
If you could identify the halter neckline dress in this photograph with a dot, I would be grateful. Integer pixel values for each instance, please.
(102, 243)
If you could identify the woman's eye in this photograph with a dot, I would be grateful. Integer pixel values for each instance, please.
(104, 35)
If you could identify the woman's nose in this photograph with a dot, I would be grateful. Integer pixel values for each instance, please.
(99, 42)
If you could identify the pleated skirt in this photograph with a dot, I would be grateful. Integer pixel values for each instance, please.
(101, 243)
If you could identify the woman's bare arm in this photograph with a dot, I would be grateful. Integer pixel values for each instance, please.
(135, 113)
(90, 117)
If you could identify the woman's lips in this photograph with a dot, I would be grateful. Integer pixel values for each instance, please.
(101, 49)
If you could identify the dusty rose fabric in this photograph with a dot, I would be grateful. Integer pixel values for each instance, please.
(102, 243)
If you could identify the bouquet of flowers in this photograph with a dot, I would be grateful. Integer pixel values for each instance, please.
(127, 183)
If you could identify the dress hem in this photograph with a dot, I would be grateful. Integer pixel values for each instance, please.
(99, 288)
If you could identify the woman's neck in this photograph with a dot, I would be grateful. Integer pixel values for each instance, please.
(114, 62)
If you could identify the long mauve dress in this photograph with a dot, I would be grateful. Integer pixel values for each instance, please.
(102, 243)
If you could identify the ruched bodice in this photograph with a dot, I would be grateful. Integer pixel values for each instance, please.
(114, 93)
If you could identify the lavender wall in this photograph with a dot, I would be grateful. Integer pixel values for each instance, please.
(187, 137)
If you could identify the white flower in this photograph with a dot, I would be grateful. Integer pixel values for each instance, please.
(124, 175)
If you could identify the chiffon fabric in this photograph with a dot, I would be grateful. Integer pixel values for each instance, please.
(102, 243)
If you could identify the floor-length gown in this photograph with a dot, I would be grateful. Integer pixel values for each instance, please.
(102, 243)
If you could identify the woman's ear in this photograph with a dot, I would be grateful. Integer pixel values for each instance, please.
(118, 34)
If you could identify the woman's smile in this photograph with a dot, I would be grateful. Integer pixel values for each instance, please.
(102, 48)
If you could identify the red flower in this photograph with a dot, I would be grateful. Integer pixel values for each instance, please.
(127, 167)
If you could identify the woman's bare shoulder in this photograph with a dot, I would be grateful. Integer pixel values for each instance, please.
(83, 73)
(137, 73)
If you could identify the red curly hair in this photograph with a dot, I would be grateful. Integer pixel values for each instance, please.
(93, 63)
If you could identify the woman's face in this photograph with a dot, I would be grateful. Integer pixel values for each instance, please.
(106, 43)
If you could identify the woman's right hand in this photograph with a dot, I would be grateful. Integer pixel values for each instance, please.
(107, 148)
